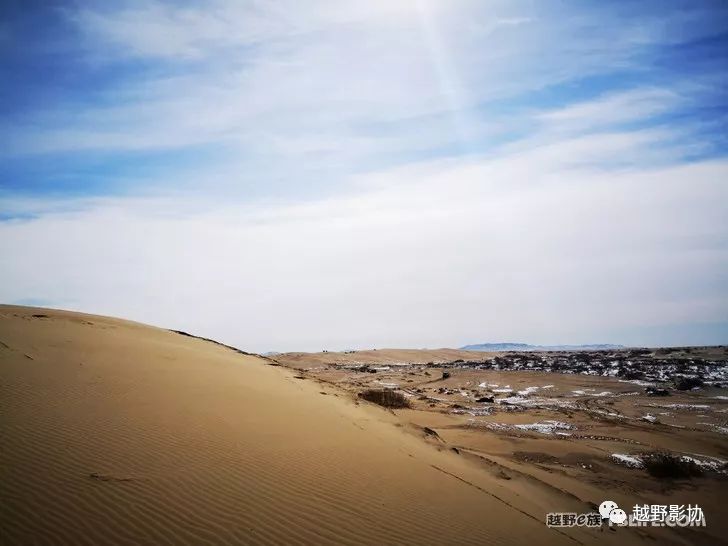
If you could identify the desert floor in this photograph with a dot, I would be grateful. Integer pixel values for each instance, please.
(565, 441)
(114, 432)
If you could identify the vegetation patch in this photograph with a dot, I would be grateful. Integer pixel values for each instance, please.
(665, 465)
(386, 398)
(688, 383)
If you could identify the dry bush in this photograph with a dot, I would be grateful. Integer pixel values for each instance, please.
(386, 398)
(665, 465)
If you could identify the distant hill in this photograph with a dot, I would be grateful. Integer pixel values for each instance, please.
(495, 347)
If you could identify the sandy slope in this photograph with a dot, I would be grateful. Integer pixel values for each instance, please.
(115, 432)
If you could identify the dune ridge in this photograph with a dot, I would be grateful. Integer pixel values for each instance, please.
(116, 432)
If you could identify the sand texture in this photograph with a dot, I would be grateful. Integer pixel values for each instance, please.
(118, 433)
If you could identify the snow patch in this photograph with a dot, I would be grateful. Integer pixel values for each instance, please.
(527, 391)
(546, 427)
(680, 406)
(639, 382)
(585, 393)
(631, 461)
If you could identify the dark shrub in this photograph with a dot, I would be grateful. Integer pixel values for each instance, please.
(665, 465)
(687, 383)
(627, 373)
(386, 398)
(654, 391)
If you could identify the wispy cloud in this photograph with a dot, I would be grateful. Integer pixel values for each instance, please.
(630, 106)
(247, 71)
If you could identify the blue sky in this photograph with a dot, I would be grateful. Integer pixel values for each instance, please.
(300, 175)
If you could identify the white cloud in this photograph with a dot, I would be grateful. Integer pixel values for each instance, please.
(245, 73)
(518, 247)
(624, 107)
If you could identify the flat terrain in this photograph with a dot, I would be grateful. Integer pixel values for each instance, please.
(118, 433)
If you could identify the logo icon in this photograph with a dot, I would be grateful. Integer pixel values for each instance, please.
(609, 509)
(618, 516)
(606, 508)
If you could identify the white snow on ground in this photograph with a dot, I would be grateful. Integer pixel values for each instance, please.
(650, 418)
(628, 460)
(497, 426)
(544, 427)
(706, 463)
(527, 391)
(680, 406)
(505, 389)
(511, 400)
(721, 397)
(610, 413)
(530, 390)
(587, 392)
(703, 461)
(519, 401)
(638, 382)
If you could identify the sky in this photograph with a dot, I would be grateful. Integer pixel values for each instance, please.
(287, 175)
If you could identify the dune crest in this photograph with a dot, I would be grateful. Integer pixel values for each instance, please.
(116, 432)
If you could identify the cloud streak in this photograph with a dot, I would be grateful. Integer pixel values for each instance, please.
(515, 246)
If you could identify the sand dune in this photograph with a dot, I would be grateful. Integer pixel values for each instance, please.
(116, 432)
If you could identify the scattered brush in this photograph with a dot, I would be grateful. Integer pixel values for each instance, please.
(688, 383)
(665, 465)
(386, 398)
